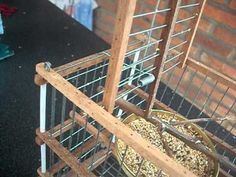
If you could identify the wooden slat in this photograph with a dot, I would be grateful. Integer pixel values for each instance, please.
(164, 47)
(63, 153)
(212, 73)
(223, 173)
(190, 35)
(86, 62)
(123, 25)
(113, 125)
(103, 136)
(160, 105)
(223, 79)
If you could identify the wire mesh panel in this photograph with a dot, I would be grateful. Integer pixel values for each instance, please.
(78, 137)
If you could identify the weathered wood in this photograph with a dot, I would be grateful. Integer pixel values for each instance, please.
(121, 33)
(164, 48)
(61, 164)
(215, 75)
(103, 135)
(162, 106)
(190, 35)
(112, 124)
(86, 62)
(63, 153)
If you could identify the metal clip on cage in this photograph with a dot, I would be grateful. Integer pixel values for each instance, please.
(83, 104)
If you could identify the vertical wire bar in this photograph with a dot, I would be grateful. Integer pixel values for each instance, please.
(43, 94)
(231, 107)
(194, 99)
(184, 95)
(175, 91)
(223, 120)
(83, 90)
(94, 76)
(73, 118)
(106, 158)
(208, 98)
(95, 148)
(84, 134)
(63, 112)
(166, 84)
(217, 106)
(52, 123)
(122, 161)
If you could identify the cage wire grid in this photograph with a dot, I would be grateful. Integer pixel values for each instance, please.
(86, 144)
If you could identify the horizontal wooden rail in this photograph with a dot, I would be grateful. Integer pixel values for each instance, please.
(112, 124)
(63, 154)
(86, 62)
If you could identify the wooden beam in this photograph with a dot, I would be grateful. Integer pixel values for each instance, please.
(63, 153)
(103, 135)
(113, 125)
(122, 30)
(164, 48)
(191, 35)
(86, 62)
(161, 105)
(215, 75)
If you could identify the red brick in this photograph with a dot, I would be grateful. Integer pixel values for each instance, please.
(220, 15)
(225, 35)
(213, 45)
(204, 25)
(232, 4)
(220, 1)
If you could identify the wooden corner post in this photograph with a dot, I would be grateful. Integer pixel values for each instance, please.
(164, 47)
(190, 36)
(123, 25)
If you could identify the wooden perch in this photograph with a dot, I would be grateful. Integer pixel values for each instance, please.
(192, 142)
(202, 119)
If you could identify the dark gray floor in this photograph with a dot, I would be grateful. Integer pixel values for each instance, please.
(37, 32)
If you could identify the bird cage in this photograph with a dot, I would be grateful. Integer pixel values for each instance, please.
(87, 107)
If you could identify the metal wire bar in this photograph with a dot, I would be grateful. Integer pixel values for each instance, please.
(174, 57)
(152, 25)
(73, 117)
(186, 19)
(95, 148)
(181, 32)
(173, 66)
(106, 158)
(122, 161)
(148, 30)
(151, 13)
(178, 45)
(217, 106)
(143, 47)
(189, 5)
(88, 71)
(84, 134)
(167, 83)
(229, 110)
(184, 95)
(52, 124)
(77, 145)
(194, 99)
(208, 98)
(63, 111)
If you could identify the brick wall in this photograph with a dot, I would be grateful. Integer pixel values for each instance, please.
(215, 41)
(214, 44)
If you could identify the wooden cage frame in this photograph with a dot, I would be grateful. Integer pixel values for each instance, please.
(103, 116)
